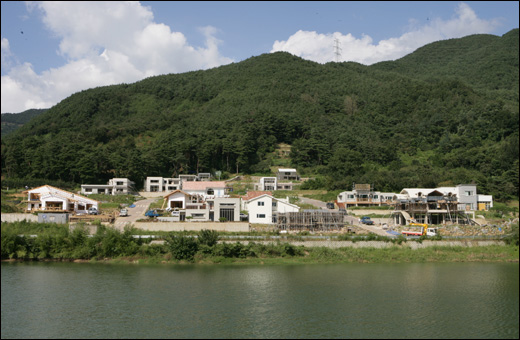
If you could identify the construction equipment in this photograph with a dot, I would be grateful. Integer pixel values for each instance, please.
(420, 229)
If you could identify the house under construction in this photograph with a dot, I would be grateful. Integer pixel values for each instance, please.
(434, 208)
(312, 220)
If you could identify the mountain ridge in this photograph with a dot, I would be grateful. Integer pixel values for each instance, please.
(386, 124)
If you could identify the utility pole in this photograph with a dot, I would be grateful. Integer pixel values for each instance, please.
(337, 50)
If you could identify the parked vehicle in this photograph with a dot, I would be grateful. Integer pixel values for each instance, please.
(330, 205)
(419, 229)
(152, 213)
(366, 220)
(123, 213)
(92, 211)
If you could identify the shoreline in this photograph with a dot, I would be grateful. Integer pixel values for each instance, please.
(323, 255)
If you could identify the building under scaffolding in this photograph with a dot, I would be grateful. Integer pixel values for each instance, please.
(312, 220)
(435, 208)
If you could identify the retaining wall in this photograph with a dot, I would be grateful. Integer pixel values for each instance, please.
(192, 226)
(379, 244)
(13, 217)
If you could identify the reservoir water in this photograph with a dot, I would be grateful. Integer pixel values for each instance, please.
(439, 300)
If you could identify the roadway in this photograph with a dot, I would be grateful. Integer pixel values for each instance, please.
(134, 214)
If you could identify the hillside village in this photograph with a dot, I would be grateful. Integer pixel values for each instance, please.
(188, 200)
(431, 138)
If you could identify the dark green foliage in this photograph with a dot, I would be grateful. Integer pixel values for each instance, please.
(447, 113)
(513, 237)
(182, 247)
(58, 242)
(11, 122)
(208, 237)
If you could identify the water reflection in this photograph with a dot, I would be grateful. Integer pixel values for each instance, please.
(306, 301)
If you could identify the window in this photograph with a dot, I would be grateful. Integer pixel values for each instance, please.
(261, 204)
(210, 192)
(469, 193)
(274, 204)
(120, 183)
(260, 215)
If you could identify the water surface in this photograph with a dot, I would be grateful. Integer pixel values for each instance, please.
(68, 300)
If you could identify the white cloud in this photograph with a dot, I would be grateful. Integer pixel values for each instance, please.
(319, 47)
(103, 43)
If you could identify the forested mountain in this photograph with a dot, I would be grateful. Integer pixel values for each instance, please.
(12, 121)
(444, 115)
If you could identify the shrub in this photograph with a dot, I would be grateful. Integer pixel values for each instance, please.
(208, 237)
(512, 238)
(182, 247)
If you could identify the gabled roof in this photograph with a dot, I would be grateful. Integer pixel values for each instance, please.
(176, 191)
(203, 185)
(252, 194)
(63, 193)
(274, 198)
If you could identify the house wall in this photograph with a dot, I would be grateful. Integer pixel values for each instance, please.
(227, 203)
(283, 207)
(467, 195)
(261, 213)
(268, 184)
(154, 184)
(177, 197)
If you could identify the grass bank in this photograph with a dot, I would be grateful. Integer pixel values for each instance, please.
(51, 242)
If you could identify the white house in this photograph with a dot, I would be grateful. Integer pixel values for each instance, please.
(466, 195)
(263, 207)
(159, 184)
(198, 207)
(287, 175)
(49, 198)
(207, 189)
(364, 195)
(115, 186)
(268, 184)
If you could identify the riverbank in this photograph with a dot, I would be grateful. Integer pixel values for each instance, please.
(49, 242)
(324, 255)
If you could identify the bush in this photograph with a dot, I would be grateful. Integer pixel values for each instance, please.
(182, 247)
(512, 238)
(208, 237)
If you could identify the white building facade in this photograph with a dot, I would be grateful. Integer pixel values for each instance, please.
(263, 209)
(49, 198)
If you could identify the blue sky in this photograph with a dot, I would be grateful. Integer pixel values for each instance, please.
(51, 50)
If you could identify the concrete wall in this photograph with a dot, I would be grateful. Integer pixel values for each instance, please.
(53, 218)
(379, 244)
(19, 217)
(192, 226)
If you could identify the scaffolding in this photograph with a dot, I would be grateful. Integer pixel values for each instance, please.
(311, 220)
(430, 210)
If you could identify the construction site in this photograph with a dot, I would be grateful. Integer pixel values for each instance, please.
(311, 220)
(431, 209)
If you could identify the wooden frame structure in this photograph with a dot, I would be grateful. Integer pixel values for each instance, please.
(432, 209)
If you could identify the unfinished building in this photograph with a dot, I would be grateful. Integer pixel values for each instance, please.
(432, 208)
(312, 220)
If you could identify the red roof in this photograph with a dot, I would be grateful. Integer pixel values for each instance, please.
(202, 185)
(253, 194)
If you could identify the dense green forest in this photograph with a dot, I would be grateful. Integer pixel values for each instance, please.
(443, 115)
(12, 121)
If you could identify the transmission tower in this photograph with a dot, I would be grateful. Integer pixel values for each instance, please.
(337, 50)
